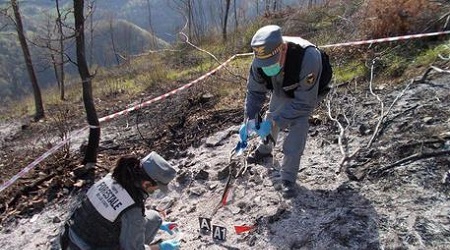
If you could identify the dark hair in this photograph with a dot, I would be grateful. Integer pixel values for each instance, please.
(130, 174)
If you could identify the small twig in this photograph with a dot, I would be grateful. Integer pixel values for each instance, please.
(207, 52)
(384, 114)
(377, 128)
(405, 111)
(425, 142)
(411, 158)
(348, 158)
(244, 167)
(225, 191)
(245, 155)
(398, 97)
(341, 134)
(244, 162)
(440, 70)
(444, 58)
(425, 75)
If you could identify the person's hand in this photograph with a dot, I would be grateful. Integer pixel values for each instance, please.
(245, 129)
(168, 226)
(243, 135)
(264, 128)
(243, 132)
(173, 244)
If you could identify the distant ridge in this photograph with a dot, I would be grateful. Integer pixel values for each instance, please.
(129, 39)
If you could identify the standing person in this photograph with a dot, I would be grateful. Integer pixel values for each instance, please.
(112, 215)
(290, 68)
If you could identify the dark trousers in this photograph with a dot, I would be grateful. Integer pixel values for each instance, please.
(64, 240)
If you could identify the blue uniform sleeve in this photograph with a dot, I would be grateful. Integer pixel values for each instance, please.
(305, 96)
(256, 93)
(132, 233)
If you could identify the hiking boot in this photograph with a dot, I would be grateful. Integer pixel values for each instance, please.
(288, 189)
(257, 157)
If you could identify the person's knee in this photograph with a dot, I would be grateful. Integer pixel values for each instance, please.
(153, 222)
(153, 217)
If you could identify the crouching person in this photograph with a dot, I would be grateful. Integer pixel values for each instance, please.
(113, 214)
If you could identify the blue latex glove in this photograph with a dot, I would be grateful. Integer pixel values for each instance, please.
(264, 129)
(243, 135)
(173, 244)
(168, 226)
(244, 131)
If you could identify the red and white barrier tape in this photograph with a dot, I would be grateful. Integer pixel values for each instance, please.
(109, 117)
(387, 39)
(39, 160)
(175, 91)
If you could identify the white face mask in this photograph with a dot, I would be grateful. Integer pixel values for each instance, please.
(272, 70)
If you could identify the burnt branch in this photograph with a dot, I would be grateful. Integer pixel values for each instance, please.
(342, 136)
(380, 121)
(409, 159)
(425, 75)
(383, 114)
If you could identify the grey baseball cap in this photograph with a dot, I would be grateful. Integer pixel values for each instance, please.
(159, 170)
(267, 44)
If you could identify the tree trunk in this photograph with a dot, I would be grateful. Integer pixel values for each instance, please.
(190, 19)
(55, 68)
(113, 44)
(90, 156)
(236, 24)
(225, 20)
(257, 7)
(61, 74)
(267, 8)
(153, 42)
(26, 53)
(91, 31)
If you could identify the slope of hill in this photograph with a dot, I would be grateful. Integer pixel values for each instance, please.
(375, 174)
(164, 18)
(113, 42)
(373, 204)
(128, 38)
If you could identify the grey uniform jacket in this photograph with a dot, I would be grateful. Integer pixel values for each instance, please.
(284, 110)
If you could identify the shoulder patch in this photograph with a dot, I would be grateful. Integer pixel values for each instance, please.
(310, 79)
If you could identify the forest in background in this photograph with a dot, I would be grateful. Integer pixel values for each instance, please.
(117, 29)
(386, 129)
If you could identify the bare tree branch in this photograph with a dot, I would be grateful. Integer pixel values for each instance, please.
(375, 133)
(383, 114)
(205, 51)
(411, 158)
(342, 137)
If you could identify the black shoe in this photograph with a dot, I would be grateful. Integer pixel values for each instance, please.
(288, 189)
(257, 157)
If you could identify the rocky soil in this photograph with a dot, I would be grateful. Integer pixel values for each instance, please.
(363, 184)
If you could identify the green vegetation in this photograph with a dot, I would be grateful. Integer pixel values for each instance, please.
(432, 55)
(322, 25)
(350, 71)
